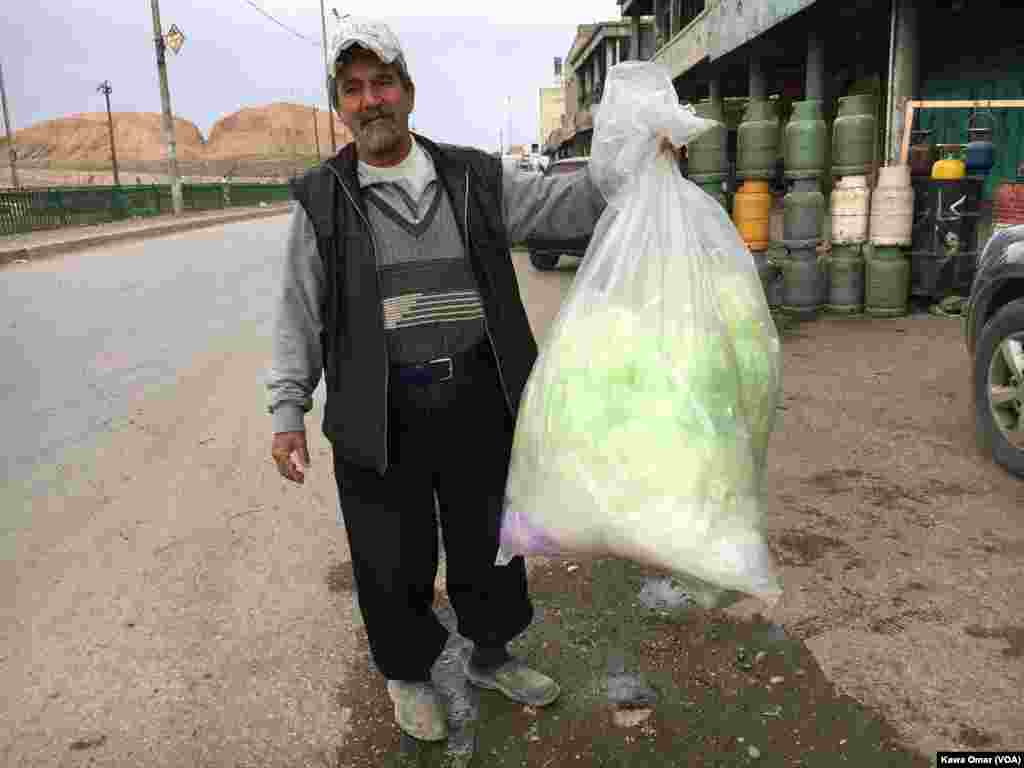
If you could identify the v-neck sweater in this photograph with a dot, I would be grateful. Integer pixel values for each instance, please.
(430, 300)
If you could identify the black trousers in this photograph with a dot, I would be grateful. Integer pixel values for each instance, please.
(454, 438)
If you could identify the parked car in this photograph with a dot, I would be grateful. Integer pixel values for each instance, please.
(545, 254)
(994, 330)
(532, 163)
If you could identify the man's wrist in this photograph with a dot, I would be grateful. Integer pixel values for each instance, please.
(288, 417)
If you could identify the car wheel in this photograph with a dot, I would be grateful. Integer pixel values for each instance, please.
(999, 387)
(544, 261)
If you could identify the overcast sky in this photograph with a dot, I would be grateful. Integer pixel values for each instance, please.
(465, 64)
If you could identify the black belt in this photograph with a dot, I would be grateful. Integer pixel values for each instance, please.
(437, 370)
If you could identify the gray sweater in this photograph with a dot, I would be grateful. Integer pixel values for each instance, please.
(562, 206)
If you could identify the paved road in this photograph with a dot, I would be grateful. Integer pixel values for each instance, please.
(89, 332)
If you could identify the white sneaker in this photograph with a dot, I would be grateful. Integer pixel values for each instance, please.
(419, 710)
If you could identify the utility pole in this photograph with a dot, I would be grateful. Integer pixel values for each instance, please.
(316, 134)
(327, 81)
(504, 119)
(105, 89)
(165, 99)
(9, 132)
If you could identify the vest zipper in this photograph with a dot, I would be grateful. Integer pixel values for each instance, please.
(487, 327)
(380, 313)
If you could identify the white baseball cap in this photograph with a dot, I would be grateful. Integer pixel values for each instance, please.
(372, 35)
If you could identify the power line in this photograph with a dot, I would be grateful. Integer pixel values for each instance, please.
(283, 25)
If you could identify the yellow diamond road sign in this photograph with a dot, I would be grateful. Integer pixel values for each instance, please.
(175, 38)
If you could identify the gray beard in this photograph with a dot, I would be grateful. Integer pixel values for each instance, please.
(378, 137)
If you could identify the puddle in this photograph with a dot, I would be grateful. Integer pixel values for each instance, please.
(340, 577)
(463, 700)
(1014, 636)
(682, 593)
(774, 634)
(630, 691)
(664, 594)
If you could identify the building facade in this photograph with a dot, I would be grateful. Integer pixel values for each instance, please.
(552, 104)
(552, 108)
(596, 49)
(898, 50)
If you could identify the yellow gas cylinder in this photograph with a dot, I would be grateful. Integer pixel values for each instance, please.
(751, 207)
(949, 167)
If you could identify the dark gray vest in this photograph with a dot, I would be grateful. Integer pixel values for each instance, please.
(354, 340)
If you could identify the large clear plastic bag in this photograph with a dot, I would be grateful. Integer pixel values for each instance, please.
(644, 426)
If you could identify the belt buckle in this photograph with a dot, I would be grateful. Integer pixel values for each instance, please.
(451, 367)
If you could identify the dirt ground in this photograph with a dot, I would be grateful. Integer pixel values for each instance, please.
(169, 604)
(901, 555)
(176, 601)
(900, 544)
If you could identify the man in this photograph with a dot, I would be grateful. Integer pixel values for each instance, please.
(399, 285)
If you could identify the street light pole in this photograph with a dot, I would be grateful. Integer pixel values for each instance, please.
(504, 119)
(168, 119)
(327, 82)
(9, 132)
(105, 89)
(316, 135)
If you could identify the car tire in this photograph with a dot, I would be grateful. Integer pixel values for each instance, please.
(1006, 325)
(544, 261)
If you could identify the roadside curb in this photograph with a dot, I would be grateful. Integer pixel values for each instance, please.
(34, 253)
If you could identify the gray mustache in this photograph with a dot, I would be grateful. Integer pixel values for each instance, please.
(370, 118)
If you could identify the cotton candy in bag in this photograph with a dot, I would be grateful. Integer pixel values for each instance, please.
(643, 428)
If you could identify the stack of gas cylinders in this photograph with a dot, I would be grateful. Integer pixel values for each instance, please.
(757, 154)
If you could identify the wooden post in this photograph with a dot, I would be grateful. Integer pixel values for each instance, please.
(9, 131)
(757, 88)
(316, 135)
(177, 202)
(327, 71)
(908, 122)
(975, 104)
(105, 89)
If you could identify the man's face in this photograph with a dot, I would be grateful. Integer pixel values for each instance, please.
(375, 105)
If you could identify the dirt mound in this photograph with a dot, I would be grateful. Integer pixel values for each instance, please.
(85, 138)
(272, 131)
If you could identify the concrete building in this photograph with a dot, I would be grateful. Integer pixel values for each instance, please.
(552, 108)
(596, 49)
(552, 104)
(557, 144)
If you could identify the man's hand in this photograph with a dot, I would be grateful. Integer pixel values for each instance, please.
(285, 443)
(665, 145)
